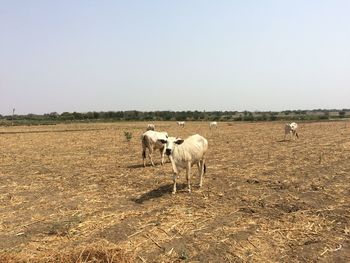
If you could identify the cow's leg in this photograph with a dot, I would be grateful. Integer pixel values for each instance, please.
(188, 176)
(174, 180)
(150, 155)
(201, 172)
(175, 173)
(162, 153)
(144, 157)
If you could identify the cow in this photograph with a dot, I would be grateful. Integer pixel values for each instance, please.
(185, 153)
(213, 124)
(150, 140)
(151, 127)
(181, 123)
(292, 129)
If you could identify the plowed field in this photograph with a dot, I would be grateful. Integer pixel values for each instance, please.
(77, 191)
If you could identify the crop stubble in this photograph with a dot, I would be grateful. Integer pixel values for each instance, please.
(66, 190)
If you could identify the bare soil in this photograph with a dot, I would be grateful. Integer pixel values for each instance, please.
(79, 193)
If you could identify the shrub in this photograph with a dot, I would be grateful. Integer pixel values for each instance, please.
(342, 114)
(128, 135)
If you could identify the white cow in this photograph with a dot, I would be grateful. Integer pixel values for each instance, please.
(150, 140)
(291, 128)
(185, 153)
(213, 124)
(181, 123)
(151, 127)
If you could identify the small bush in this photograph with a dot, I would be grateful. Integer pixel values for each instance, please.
(342, 114)
(128, 135)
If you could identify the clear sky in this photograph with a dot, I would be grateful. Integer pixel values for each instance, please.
(173, 55)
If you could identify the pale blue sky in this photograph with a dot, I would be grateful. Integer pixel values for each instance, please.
(173, 55)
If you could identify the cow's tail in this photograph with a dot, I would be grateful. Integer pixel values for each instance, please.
(205, 168)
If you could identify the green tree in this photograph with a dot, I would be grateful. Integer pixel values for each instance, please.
(342, 114)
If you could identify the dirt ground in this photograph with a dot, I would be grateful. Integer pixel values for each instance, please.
(67, 188)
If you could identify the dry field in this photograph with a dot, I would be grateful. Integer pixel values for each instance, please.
(78, 193)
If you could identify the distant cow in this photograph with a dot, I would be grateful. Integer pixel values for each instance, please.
(213, 124)
(181, 123)
(185, 153)
(292, 129)
(150, 140)
(151, 127)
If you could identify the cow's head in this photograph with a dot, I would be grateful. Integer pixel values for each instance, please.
(170, 144)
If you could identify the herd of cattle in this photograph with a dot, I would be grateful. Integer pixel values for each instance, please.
(183, 154)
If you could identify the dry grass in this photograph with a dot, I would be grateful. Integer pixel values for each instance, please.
(79, 193)
(95, 253)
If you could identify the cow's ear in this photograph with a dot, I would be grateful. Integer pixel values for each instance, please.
(162, 141)
(179, 141)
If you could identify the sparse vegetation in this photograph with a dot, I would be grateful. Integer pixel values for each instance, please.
(128, 135)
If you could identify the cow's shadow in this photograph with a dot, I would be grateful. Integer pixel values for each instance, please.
(283, 140)
(135, 166)
(158, 192)
(140, 165)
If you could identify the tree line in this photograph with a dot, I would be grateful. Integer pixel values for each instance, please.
(94, 116)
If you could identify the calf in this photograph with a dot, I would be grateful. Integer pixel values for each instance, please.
(185, 153)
